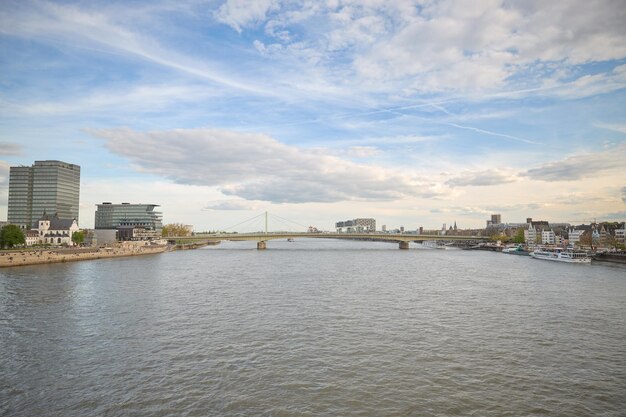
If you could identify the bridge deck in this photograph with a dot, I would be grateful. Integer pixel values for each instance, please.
(263, 237)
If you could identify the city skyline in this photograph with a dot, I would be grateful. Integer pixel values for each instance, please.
(412, 113)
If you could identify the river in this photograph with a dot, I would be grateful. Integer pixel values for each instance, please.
(313, 328)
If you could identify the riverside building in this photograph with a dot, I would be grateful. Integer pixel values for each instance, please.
(46, 186)
(125, 215)
(356, 226)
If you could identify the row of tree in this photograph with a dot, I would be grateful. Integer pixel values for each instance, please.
(175, 229)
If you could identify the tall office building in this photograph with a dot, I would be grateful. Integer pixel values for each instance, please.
(46, 186)
(113, 216)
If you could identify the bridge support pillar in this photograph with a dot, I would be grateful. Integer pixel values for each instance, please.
(261, 245)
(404, 245)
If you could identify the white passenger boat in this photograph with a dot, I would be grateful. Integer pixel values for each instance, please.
(561, 256)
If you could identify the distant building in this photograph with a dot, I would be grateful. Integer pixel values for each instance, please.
(356, 226)
(102, 237)
(114, 216)
(31, 237)
(53, 230)
(574, 236)
(496, 219)
(595, 236)
(530, 235)
(46, 186)
(126, 233)
(548, 237)
(620, 236)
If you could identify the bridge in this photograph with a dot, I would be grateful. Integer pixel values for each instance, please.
(261, 238)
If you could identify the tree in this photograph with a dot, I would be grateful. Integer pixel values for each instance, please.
(175, 230)
(500, 238)
(78, 237)
(11, 235)
(519, 236)
(585, 239)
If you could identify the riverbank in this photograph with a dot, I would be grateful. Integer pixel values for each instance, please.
(191, 245)
(619, 258)
(608, 257)
(47, 256)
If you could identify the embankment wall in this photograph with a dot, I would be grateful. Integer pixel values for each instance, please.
(34, 257)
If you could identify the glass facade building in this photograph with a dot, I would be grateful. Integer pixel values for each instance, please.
(113, 216)
(356, 226)
(46, 186)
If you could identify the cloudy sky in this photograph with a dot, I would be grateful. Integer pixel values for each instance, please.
(413, 112)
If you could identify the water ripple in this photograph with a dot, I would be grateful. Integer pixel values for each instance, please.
(313, 328)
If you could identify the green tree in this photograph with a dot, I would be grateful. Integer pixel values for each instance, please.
(11, 235)
(78, 237)
(502, 238)
(519, 236)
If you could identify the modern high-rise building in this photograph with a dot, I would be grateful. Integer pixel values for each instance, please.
(52, 187)
(114, 216)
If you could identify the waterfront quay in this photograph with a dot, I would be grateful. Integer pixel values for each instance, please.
(55, 255)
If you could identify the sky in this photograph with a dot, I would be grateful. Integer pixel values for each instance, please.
(416, 113)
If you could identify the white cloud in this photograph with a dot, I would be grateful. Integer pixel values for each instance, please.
(258, 167)
(358, 49)
(101, 30)
(580, 166)
(481, 178)
(615, 127)
(463, 211)
(144, 98)
(10, 149)
(240, 13)
(231, 205)
(589, 84)
(417, 46)
(362, 151)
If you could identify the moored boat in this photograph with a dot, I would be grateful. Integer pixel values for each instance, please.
(517, 250)
(561, 256)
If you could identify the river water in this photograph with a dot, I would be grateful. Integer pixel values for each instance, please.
(313, 328)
